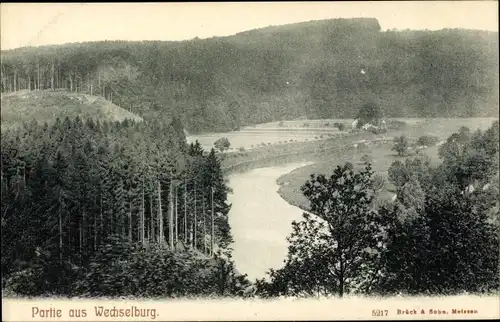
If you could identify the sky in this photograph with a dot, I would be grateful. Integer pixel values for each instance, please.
(35, 24)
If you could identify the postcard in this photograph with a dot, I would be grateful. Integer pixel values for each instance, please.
(250, 161)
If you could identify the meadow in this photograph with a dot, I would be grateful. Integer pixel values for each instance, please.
(304, 130)
(273, 133)
(46, 106)
(379, 152)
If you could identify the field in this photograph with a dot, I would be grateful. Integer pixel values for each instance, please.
(251, 137)
(381, 156)
(281, 133)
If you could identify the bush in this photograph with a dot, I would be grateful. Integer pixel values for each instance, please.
(121, 268)
(43, 276)
(366, 159)
(401, 145)
(375, 130)
(427, 140)
(362, 146)
(378, 182)
(222, 144)
(153, 271)
(395, 124)
(340, 126)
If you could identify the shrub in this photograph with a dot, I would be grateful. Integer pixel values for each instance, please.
(222, 144)
(362, 146)
(376, 130)
(427, 140)
(366, 159)
(378, 182)
(401, 145)
(395, 124)
(153, 270)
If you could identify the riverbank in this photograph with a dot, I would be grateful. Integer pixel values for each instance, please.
(380, 154)
(381, 158)
(260, 219)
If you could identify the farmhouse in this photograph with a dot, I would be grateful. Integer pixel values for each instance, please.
(376, 127)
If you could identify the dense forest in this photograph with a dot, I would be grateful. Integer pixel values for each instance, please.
(103, 208)
(318, 69)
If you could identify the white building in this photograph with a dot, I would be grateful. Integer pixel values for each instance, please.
(355, 124)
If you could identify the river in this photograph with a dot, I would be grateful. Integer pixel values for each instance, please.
(260, 219)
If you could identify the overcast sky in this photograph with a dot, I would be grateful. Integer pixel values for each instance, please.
(26, 24)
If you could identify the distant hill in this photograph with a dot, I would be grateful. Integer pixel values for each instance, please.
(317, 69)
(46, 106)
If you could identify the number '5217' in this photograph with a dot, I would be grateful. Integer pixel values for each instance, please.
(380, 312)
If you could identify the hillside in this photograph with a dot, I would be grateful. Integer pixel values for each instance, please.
(317, 69)
(46, 106)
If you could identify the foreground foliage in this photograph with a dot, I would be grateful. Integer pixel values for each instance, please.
(440, 236)
(108, 208)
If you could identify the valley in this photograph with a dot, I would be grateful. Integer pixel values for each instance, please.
(174, 169)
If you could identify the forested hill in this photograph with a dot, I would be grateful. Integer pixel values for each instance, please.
(318, 69)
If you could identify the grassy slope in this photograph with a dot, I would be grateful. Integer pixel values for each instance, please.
(381, 155)
(46, 106)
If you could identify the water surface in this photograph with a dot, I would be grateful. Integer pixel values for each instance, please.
(260, 219)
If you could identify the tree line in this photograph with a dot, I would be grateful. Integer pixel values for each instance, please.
(316, 69)
(80, 196)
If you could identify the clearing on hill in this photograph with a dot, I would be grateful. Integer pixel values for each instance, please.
(46, 106)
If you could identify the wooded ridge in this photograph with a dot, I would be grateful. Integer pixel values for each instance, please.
(318, 69)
